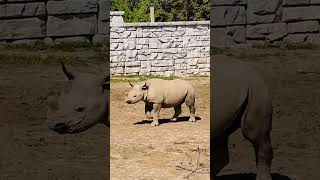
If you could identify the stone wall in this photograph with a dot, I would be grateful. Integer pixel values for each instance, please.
(25, 21)
(159, 48)
(239, 22)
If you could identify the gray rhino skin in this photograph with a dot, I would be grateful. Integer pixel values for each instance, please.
(241, 100)
(158, 93)
(85, 105)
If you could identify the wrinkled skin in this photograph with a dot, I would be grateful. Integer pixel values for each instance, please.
(157, 94)
(241, 100)
(85, 105)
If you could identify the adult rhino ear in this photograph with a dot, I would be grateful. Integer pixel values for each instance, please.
(68, 74)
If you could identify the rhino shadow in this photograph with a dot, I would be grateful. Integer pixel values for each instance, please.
(167, 120)
(250, 176)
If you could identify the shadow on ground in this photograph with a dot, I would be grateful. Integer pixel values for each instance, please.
(163, 121)
(250, 176)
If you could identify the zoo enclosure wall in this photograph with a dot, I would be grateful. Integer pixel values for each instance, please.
(159, 48)
(29, 21)
(256, 22)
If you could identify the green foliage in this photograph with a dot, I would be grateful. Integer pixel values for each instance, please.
(165, 10)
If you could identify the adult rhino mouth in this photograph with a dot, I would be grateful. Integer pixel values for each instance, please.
(60, 128)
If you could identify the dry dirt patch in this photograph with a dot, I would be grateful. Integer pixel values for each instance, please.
(140, 151)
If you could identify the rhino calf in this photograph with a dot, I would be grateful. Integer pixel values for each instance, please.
(158, 93)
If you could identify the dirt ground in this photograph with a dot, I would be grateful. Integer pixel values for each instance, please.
(294, 79)
(140, 151)
(30, 151)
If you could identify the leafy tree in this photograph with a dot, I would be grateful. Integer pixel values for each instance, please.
(165, 10)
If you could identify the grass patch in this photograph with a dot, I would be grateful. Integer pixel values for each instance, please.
(287, 46)
(32, 59)
(215, 50)
(136, 78)
(40, 46)
(41, 54)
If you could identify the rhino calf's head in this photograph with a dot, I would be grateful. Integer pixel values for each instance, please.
(85, 105)
(137, 93)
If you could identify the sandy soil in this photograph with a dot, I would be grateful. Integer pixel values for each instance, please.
(30, 151)
(140, 151)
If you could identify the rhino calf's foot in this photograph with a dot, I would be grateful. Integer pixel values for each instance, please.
(149, 115)
(155, 123)
(174, 119)
(192, 119)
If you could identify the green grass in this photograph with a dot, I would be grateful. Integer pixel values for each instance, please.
(136, 78)
(40, 46)
(42, 54)
(287, 46)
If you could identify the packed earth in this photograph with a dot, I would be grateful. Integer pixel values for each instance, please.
(173, 150)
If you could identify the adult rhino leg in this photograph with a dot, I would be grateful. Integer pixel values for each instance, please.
(256, 128)
(148, 108)
(221, 154)
(190, 101)
(156, 112)
(177, 112)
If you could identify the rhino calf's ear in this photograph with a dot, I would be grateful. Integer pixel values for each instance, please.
(66, 72)
(130, 83)
(144, 86)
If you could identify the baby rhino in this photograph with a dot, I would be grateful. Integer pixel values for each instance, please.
(158, 93)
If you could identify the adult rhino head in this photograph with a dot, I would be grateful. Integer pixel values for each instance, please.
(83, 106)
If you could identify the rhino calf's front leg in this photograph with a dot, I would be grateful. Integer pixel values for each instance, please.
(156, 112)
(148, 108)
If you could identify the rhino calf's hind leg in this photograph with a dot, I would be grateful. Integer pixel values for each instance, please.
(177, 112)
(156, 112)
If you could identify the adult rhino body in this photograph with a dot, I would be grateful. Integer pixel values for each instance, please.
(83, 106)
(158, 93)
(241, 100)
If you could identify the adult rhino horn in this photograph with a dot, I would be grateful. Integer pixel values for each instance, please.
(69, 75)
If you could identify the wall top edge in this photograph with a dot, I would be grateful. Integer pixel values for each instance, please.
(116, 13)
(173, 23)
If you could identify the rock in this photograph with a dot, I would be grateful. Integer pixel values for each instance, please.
(303, 27)
(72, 7)
(22, 28)
(100, 39)
(269, 32)
(228, 36)
(103, 27)
(72, 40)
(300, 13)
(104, 7)
(48, 41)
(116, 18)
(295, 38)
(22, 10)
(295, 2)
(228, 15)
(228, 2)
(71, 25)
(263, 11)
(313, 39)
(314, 2)
(26, 41)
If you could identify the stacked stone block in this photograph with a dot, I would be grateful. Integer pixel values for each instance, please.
(25, 21)
(247, 22)
(160, 49)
